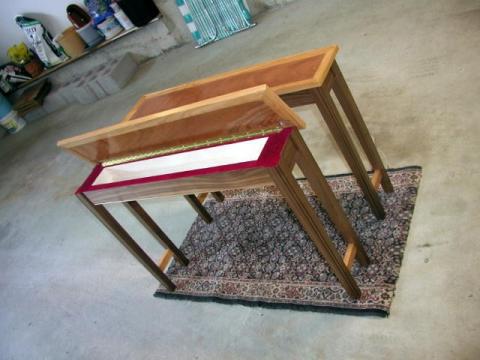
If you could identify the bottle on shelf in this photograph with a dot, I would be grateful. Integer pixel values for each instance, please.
(121, 17)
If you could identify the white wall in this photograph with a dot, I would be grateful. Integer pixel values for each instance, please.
(51, 13)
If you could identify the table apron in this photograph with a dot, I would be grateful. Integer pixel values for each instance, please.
(239, 179)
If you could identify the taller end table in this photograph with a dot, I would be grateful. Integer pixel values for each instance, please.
(300, 79)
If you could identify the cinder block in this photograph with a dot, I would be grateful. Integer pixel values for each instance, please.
(104, 80)
(95, 85)
(117, 74)
(83, 93)
(66, 91)
(124, 70)
(54, 101)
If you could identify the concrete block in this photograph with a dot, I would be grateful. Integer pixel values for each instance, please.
(124, 70)
(55, 101)
(104, 80)
(83, 93)
(66, 90)
(94, 84)
(117, 74)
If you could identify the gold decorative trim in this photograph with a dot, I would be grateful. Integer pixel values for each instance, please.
(173, 149)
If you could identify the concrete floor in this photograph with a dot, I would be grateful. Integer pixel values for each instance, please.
(68, 290)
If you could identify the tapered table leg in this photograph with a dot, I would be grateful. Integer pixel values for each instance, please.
(339, 131)
(145, 219)
(199, 208)
(319, 184)
(297, 201)
(217, 195)
(102, 214)
(345, 98)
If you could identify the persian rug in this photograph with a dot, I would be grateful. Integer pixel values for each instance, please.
(256, 253)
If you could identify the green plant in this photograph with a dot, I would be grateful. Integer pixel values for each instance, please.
(19, 54)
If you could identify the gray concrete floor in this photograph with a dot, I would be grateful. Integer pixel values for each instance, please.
(68, 290)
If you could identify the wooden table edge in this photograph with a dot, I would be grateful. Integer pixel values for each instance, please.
(330, 53)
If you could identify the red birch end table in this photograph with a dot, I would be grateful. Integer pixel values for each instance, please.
(306, 78)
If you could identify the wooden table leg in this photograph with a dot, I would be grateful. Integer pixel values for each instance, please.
(345, 98)
(297, 201)
(340, 133)
(102, 214)
(319, 184)
(199, 208)
(217, 195)
(142, 216)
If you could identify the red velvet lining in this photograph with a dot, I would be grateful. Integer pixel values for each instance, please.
(90, 179)
(269, 157)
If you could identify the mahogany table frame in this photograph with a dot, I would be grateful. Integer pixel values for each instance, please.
(295, 152)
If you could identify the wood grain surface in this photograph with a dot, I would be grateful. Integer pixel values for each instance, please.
(236, 113)
(285, 75)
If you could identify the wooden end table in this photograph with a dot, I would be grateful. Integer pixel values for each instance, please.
(246, 138)
(301, 79)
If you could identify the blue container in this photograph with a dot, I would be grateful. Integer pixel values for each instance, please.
(5, 106)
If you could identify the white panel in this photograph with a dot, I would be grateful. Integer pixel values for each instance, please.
(234, 153)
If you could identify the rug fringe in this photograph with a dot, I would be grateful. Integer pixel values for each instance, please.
(268, 305)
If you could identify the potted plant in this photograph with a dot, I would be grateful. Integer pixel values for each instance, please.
(22, 56)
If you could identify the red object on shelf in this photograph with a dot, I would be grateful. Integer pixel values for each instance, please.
(77, 16)
(34, 67)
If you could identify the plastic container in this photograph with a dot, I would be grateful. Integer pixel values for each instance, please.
(140, 12)
(12, 122)
(5, 86)
(5, 106)
(110, 27)
(90, 35)
(71, 42)
(121, 16)
(77, 16)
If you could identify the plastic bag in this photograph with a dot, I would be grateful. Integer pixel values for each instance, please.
(41, 41)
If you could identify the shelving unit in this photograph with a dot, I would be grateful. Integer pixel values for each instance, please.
(87, 52)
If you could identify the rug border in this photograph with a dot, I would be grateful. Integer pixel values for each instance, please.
(409, 167)
(272, 305)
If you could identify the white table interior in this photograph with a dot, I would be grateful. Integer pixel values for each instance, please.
(227, 154)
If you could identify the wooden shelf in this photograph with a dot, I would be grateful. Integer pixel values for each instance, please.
(87, 52)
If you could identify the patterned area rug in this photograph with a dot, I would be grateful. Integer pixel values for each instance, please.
(256, 253)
